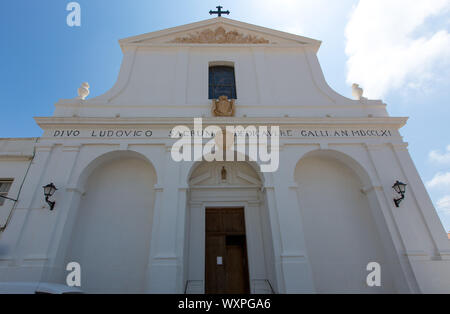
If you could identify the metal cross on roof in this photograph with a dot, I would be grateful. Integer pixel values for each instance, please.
(219, 11)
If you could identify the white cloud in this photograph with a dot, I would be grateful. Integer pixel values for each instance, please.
(443, 205)
(442, 158)
(440, 180)
(390, 44)
(302, 17)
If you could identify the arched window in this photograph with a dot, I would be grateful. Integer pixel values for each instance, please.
(222, 82)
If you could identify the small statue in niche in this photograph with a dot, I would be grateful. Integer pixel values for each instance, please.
(224, 174)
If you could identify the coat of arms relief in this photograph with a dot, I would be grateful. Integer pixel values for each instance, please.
(223, 107)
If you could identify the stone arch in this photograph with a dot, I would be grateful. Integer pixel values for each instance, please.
(249, 176)
(80, 177)
(362, 173)
(342, 226)
(112, 223)
(263, 177)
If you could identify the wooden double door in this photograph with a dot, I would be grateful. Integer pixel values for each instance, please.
(226, 252)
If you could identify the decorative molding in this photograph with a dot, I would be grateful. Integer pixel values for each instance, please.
(44, 148)
(373, 147)
(6, 258)
(166, 258)
(184, 188)
(47, 122)
(200, 178)
(416, 255)
(399, 146)
(293, 257)
(196, 204)
(35, 260)
(15, 155)
(71, 148)
(444, 255)
(223, 187)
(75, 189)
(368, 189)
(254, 203)
(248, 178)
(219, 36)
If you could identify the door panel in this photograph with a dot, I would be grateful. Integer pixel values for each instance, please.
(236, 265)
(214, 221)
(233, 221)
(226, 252)
(215, 274)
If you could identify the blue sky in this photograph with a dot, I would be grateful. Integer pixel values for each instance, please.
(398, 51)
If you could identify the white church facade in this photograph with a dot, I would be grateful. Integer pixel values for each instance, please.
(138, 221)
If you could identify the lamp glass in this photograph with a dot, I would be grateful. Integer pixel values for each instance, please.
(49, 189)
(399, 187)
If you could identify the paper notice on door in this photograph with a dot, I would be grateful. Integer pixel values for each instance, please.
(219, 260)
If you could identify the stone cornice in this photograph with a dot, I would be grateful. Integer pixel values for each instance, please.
(48, 122)
(232, 45)
(101, 104)
(15, 156)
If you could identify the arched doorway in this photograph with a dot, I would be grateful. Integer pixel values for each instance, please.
(229, 244)
(341, 233)
(112, 230)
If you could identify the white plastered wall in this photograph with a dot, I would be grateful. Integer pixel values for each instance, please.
(112, 232)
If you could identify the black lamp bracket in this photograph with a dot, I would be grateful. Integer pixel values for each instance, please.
(8, 198)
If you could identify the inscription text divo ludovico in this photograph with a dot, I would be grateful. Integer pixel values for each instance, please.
(147, 133)
(103, 133)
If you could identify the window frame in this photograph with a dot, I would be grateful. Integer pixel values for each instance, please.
(211, 81)
(5, 193)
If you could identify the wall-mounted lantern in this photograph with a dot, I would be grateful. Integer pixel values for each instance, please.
(400, 189)
(49, 190)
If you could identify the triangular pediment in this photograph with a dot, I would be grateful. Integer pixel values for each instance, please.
(219, 31)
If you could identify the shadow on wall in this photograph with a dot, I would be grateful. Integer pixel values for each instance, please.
(112, 231)
(340, 231)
